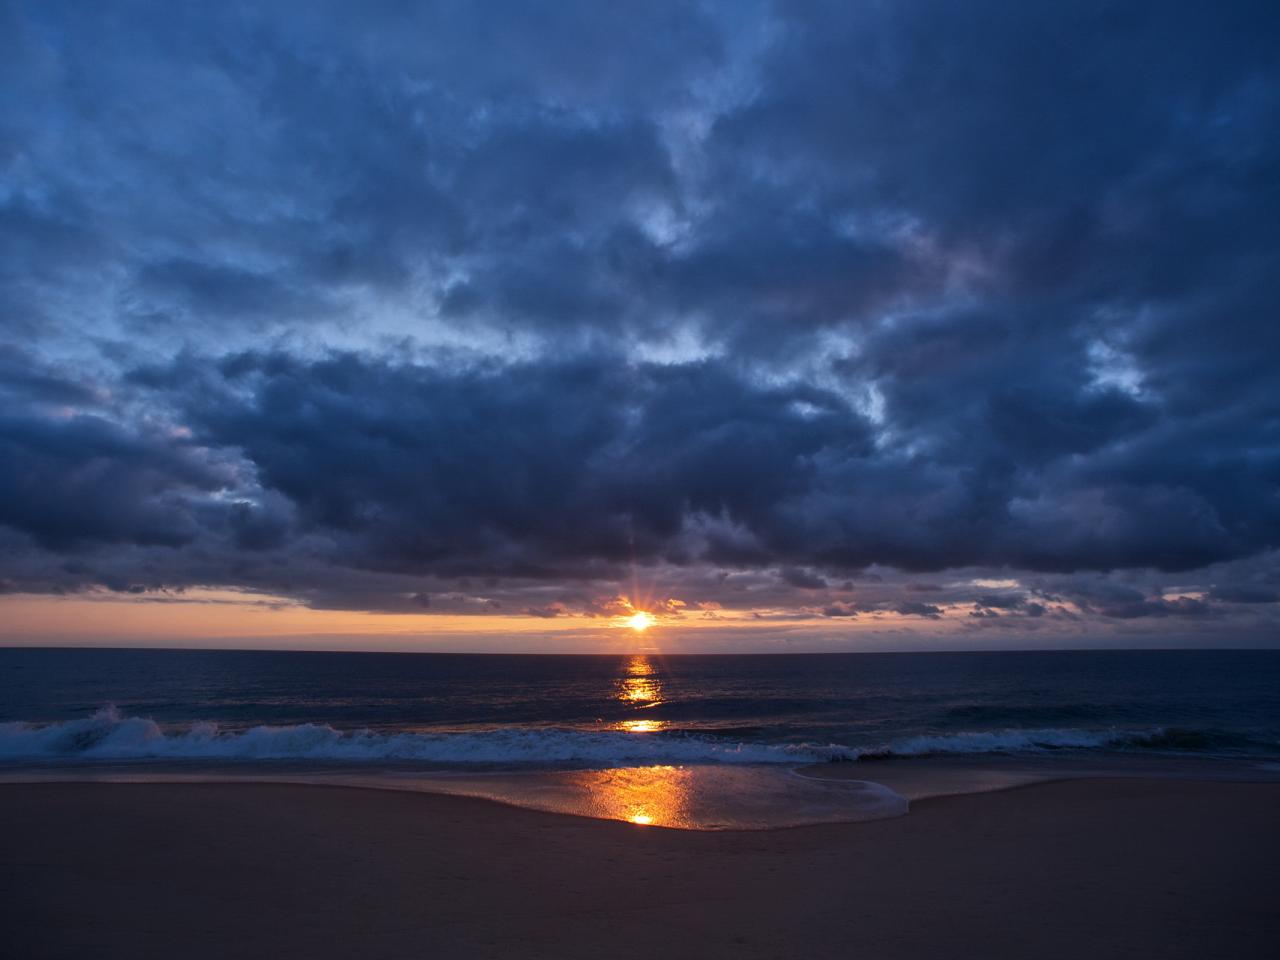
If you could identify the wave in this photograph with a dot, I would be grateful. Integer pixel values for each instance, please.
(1002, 741)
(109, 736)
(1155, 739)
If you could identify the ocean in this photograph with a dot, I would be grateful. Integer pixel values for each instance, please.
(554, 712)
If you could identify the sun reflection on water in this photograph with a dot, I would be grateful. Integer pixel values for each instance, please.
(642, 726)
(640, 686)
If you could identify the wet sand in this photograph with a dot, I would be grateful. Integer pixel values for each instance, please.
(1085, 868)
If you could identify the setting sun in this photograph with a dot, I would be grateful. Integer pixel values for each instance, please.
(640, 621)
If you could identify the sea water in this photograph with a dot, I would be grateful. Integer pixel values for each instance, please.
(702, 741)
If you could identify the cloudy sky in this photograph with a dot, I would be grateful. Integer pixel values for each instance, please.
(482, 325)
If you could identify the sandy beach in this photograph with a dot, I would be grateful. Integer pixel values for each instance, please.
(1086, 868)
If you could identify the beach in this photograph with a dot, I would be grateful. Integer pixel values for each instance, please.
(1082, 868)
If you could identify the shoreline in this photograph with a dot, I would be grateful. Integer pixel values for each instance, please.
(1108, 867)
(694, 796)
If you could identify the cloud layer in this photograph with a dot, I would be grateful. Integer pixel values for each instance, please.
(802, 310)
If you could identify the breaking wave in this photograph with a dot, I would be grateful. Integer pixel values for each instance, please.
(1004, 741)
(109, 736)
(1155, 739)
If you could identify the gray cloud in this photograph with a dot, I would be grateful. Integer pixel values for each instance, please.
(788, 293)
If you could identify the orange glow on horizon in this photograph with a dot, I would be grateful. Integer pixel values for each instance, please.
(213, 617)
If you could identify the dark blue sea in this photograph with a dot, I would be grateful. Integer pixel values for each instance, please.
(457, 710)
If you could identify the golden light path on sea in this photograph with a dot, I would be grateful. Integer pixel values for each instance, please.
(640, 689)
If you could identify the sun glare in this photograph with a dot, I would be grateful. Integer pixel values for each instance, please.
(640, 621)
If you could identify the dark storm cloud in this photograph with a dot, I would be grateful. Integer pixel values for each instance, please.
(526, 468)
(542, 467)
(799, 577)
(391, 297)
(916, 609)
(70, 478)
(1245, 594)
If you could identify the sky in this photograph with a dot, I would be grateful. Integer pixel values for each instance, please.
(799, 326)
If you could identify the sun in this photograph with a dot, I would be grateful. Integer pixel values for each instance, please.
(640, 621)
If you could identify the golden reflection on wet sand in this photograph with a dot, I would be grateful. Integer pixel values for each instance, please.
(657, 796)
(693, 797)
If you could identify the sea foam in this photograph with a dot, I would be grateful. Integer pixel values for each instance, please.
(107, 735)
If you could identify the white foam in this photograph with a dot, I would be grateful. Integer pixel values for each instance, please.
(1004, 741)
(109, 736)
